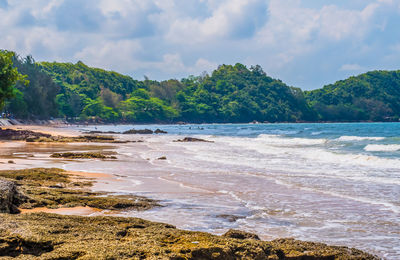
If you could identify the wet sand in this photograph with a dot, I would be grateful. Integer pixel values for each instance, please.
(195, 199)
(79, 211)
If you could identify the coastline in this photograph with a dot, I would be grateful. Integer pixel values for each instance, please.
(110, 180)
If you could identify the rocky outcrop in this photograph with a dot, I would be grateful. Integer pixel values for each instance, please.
(10, 134)
(192, 139)
(159, 131)
(138, 132)
(70, 155)
(74, 237)
(10, 197)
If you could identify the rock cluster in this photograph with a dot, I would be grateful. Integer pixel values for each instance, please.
(192, 139)
(10, 134)
(144, 132)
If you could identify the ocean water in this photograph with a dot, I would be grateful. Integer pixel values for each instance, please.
(335, 183)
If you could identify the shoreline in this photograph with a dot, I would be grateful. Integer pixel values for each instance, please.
(98, 177)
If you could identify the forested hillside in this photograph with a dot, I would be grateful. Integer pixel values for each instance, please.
(234, 94)
(373, 96)
(230, 94)
(37, 99)
(238, 94)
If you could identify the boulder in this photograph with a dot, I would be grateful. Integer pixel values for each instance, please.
(10, 197)
(159, 131)
(238, 234)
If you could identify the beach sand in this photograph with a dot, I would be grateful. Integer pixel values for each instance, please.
(190, 202)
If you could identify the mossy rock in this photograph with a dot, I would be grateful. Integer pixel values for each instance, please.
(53, 188)
(74, 237)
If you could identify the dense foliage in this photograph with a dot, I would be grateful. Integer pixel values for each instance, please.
(230, 94)
(35, 100)
(95, 94)
(371, 96)
(9, 76)
(238, 94)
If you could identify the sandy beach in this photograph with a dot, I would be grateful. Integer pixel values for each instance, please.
(195, 196)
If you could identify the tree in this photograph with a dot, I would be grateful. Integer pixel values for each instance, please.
(39, 95)
(9, 76)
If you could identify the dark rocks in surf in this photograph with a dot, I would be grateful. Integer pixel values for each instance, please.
(192, 139)
(230, 218)
(101, 132)
(159, 131)
(140, 131)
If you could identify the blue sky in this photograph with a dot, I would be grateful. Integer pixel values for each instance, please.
(305, 43)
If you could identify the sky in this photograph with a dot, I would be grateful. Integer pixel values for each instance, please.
(305, 43)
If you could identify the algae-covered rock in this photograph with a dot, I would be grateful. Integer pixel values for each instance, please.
(238, 234)
(10, 197)
(70, 155)
(11, 134)
(53, 188)
(74, 237)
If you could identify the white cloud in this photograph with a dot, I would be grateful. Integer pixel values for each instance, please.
(232, 18)
(172, 39)
(351, 67)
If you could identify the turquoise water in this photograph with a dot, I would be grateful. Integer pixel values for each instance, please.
(336, 183)
(378, 139)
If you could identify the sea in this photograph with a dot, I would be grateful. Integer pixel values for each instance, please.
(337, 183)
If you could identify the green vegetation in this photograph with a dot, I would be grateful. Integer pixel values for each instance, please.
(35, 100)
(9, 76)
(230, 94)
(238, 94)
(99, 95)
(371, 96)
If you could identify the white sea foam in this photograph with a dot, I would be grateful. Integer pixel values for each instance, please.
(382, 147)
(280, 141)
(359, 138)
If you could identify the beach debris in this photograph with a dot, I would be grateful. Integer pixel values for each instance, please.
(162, 158)
(192, 139)
(71, 155)
(11, 162)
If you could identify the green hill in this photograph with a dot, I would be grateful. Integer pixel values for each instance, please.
(238, 94)
(232, 93)
(371, 96)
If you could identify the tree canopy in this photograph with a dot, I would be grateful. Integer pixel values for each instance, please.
(373, 96)
(231, 93)
(9, 76)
